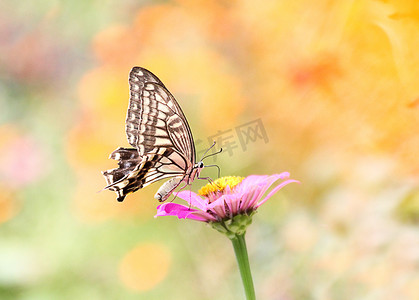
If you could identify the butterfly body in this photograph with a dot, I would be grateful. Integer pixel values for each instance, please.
(169, 186)
(163, 144)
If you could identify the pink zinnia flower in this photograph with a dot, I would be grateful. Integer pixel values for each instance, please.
(230, 201)
(228, 204)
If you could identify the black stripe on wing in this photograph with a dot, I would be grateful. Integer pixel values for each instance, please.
(135, 172)
(154, 115)
(128, 160)
(140, 76)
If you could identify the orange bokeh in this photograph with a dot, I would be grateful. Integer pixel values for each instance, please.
(145, 266)
(332, 77)
(9, 206)
(103, 93)
(91, 205)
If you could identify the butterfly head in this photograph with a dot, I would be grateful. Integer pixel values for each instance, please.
(198, 167)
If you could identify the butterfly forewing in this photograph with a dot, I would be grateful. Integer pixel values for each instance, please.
(154, 118)
(159, 131)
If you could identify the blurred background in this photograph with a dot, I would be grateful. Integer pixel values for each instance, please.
(327, 90)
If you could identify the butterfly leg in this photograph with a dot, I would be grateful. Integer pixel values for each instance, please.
(174, 198)
(219, 170)
(209, 180)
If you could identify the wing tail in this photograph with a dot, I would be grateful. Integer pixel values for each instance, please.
(135, 172)
(119, 179)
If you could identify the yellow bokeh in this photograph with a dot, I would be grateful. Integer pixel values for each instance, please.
(145, 266)
(90, 141)
(116, 46)
(9, 206)
(103, 92)
(91, 204)
(188, 69)
(8, 132)
(204, 78)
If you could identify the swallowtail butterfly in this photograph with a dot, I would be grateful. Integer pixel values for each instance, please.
(163, 144)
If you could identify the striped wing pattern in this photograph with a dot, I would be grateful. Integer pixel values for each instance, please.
(159, 132)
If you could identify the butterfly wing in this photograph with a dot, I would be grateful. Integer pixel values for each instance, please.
(159, 131)
(135, 172)
(154, 118)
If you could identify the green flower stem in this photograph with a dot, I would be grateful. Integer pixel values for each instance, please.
(239, 245)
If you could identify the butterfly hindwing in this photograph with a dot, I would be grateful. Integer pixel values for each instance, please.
(128, 160)
(134, 172)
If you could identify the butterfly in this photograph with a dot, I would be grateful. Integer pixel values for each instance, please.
(162, 139)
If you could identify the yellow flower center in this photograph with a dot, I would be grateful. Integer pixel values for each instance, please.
(220, 184)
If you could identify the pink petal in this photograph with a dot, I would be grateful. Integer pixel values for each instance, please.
(271, 179)
(193, 199)
(206, 217)
(284, 175)
(178, 210)
(218, 206)
(276, 189)
(257, 186)
(250, 181)
(235, 201)
(263, 180)
(229, 202)
(249, 198)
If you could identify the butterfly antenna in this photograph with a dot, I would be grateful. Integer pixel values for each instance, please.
(203, 156)
(212, 154)
(209, 155)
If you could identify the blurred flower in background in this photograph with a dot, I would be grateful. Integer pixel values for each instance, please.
(334, 85)
(144, 266)
(22, 159)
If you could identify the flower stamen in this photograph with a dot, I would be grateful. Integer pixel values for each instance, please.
(219, 185)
